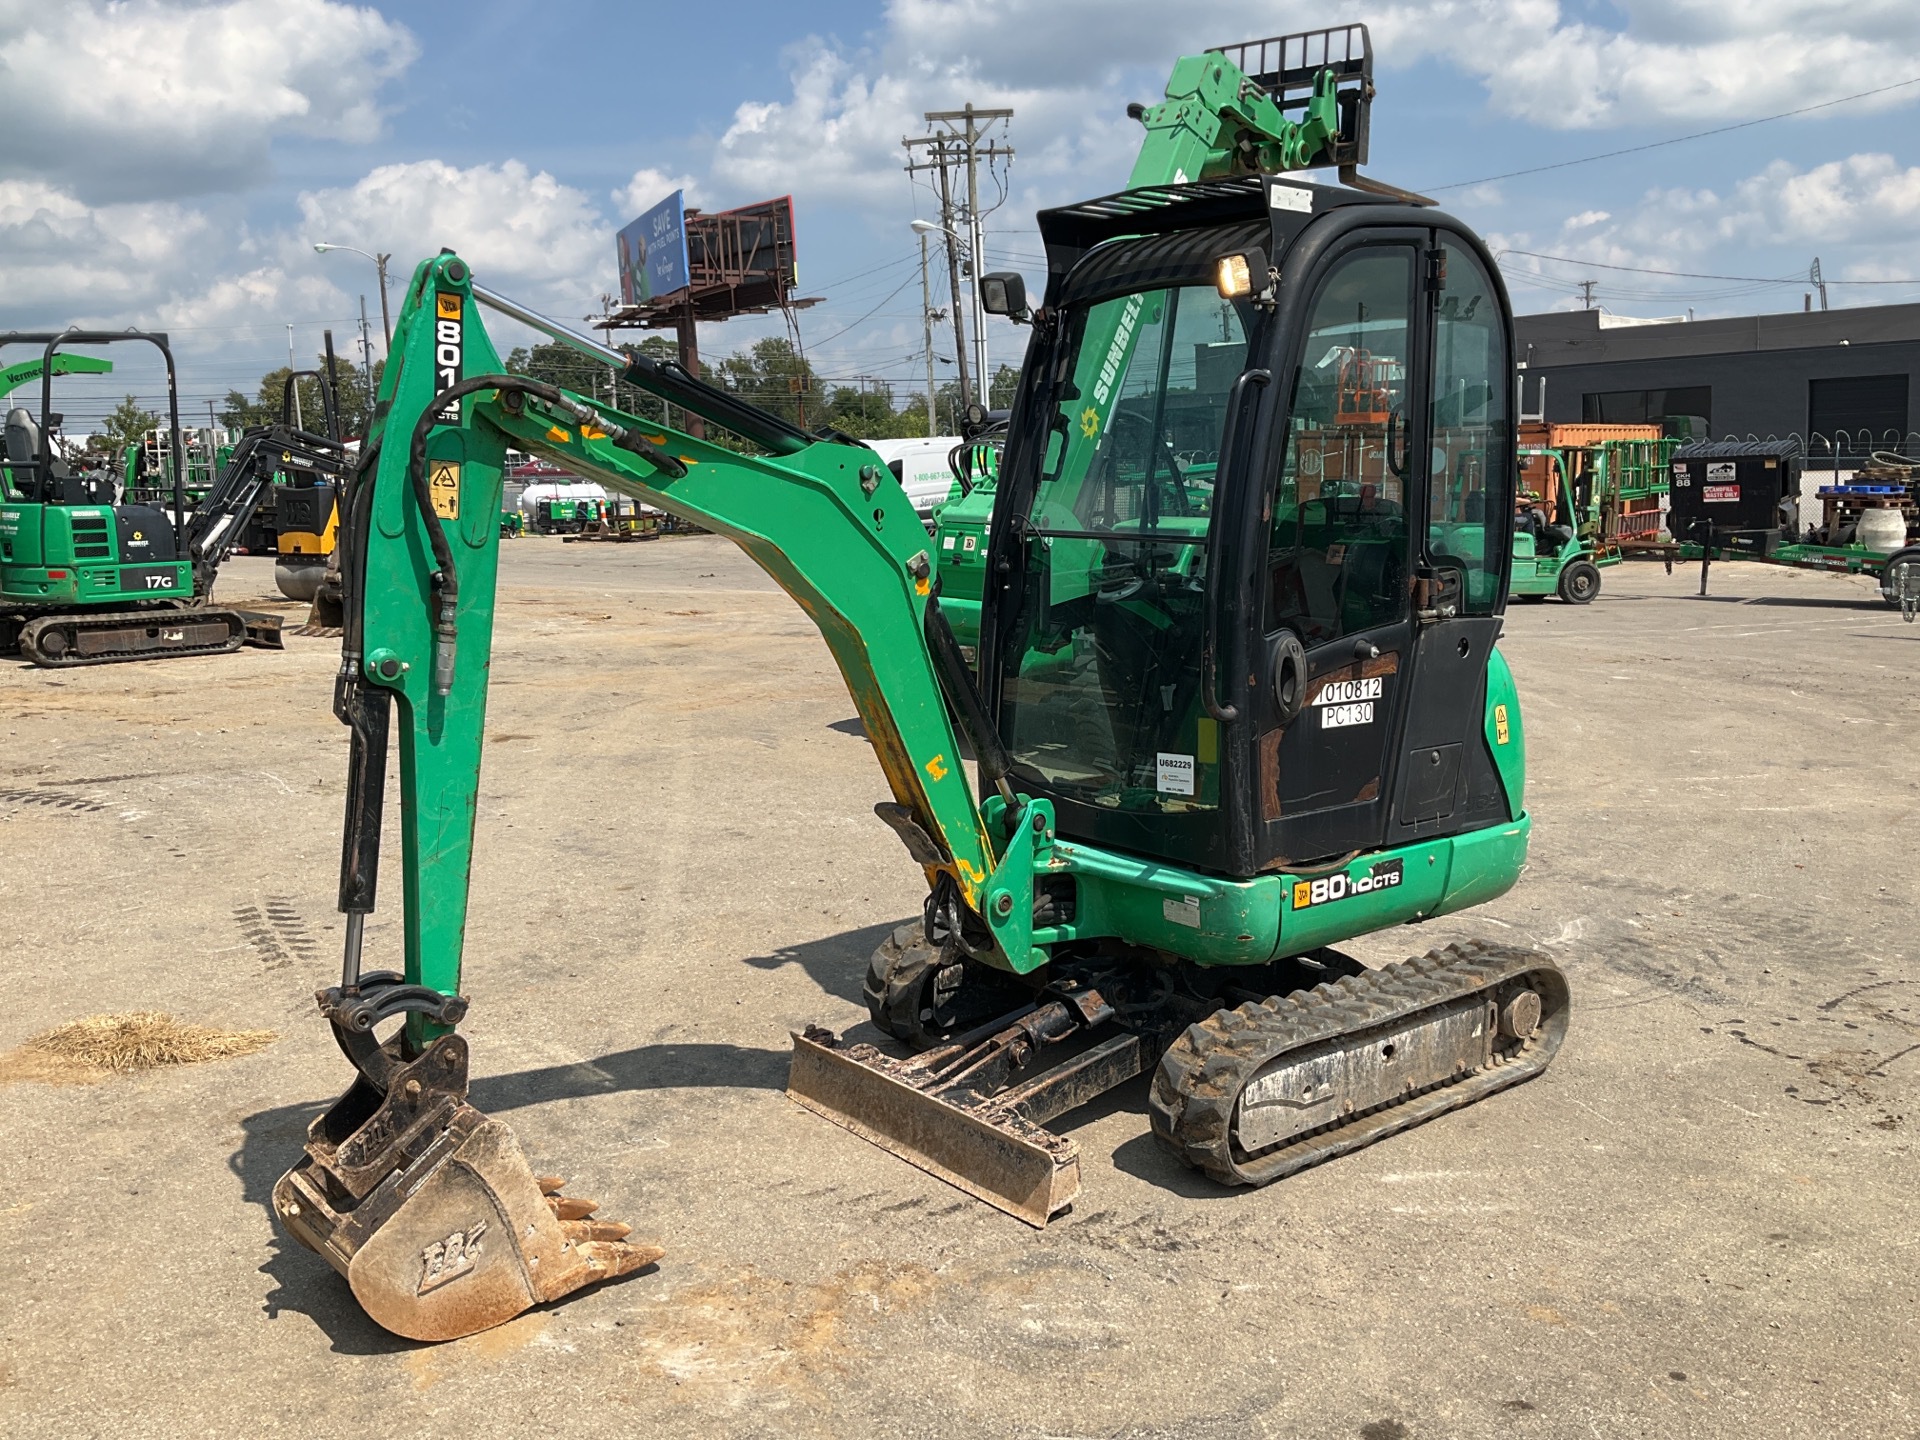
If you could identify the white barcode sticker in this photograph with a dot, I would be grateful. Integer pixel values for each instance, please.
(1174, 774)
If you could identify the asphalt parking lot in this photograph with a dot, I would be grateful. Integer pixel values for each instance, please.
(1700, 1222)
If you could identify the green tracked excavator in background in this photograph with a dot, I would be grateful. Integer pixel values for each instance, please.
(1237, 701)
(88, 580)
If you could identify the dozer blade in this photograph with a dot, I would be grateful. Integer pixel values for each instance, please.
(430, 1210)
(988, 1149)
(263, 629)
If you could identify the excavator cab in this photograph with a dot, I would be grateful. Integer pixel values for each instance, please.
(1260, 468)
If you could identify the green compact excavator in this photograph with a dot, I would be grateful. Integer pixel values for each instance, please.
(88, 581)
(1238, 700)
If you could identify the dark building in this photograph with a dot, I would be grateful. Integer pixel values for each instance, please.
(1832, 373)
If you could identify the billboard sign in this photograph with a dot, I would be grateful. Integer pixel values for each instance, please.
(653, 253)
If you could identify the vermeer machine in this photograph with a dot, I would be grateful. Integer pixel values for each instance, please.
(1238, 701)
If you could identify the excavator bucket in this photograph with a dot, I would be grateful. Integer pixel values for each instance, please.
(325, 615)
(430, 1210)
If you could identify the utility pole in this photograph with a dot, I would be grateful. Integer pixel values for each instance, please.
(298, 420)
(1818, 281)
(948, 243)
(366, 366)
(958, 143)
(926, 315)
(1586, 294)
(386, 321)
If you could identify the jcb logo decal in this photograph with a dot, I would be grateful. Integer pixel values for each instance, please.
(449, 343)
(1382, 875)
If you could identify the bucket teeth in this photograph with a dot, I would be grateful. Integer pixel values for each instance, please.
(567, 1207)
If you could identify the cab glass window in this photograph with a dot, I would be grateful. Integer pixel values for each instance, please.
(1337, 560)
(1470, 479)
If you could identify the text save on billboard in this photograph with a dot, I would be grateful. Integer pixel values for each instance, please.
(653, 252)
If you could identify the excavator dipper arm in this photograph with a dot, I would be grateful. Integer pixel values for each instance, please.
(428, 1207)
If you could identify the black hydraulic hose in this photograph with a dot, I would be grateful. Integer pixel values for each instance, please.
(356, 509)
(674, 383)
(446, 637)
(950, 667)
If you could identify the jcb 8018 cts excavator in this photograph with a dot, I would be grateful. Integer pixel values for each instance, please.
(1238, 701)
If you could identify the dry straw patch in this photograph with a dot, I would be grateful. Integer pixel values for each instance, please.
(93, 1047)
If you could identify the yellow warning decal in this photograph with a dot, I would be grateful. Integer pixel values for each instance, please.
(1500, 733)
(443, 478)
(446, 306)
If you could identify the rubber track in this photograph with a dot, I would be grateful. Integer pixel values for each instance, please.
(31, 632)
(1200, 1077)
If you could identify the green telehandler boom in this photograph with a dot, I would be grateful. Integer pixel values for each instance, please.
(1238, 701)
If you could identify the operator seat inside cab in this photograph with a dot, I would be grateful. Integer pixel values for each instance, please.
(60, 485)
(23, 453)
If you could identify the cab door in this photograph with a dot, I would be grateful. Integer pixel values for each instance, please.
(1336, 585)
(1463, 473)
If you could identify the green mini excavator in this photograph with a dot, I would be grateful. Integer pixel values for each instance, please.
(1236, 700)
(86, 579)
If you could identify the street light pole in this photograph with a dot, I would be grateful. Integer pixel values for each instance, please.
(926, 317)
(386, 321)
(321, 247)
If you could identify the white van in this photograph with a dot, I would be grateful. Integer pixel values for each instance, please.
(922, 468)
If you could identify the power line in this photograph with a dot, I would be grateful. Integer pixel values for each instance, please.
(1692, 275)
(1678, 139)
(864, 318)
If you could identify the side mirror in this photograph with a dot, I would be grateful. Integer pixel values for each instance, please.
(1004, 292)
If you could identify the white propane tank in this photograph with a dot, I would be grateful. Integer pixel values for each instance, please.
(1881, 530)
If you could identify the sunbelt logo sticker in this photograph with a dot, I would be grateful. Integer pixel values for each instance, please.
(1381, 875)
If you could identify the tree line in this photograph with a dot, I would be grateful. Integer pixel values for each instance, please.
(770, 374)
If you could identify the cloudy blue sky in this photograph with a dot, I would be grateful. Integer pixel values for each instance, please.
(169, 163)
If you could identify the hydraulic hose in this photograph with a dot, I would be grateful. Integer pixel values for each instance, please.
(446, 631)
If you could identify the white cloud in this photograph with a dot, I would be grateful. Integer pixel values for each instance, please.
(838, 128)
(1675, 60)
(520, 231)
(649, 187)
(838, 132)
(146, 99)
(60, 258)
(1858, 214)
